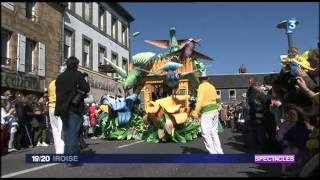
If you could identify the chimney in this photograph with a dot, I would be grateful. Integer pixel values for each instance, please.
(242, 69)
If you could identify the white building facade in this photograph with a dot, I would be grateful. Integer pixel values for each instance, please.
(92, 31)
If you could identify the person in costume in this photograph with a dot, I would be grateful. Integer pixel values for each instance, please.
(207, 107)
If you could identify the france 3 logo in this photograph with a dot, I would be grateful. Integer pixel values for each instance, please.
(291, 25)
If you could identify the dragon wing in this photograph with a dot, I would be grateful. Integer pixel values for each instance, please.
(186, 73)
(196, 54)
(144, 70)
(144, 58)
(118, 69)
(183, 42)
(159, 43)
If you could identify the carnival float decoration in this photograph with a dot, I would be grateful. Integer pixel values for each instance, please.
(121, 121)
(163, 82)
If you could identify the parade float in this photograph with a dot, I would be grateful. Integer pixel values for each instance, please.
(164, 83)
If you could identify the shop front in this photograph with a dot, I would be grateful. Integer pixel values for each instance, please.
(23, 82)
(101, 84)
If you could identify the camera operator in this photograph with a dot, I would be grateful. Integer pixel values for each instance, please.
(288, 87)
(71, 87)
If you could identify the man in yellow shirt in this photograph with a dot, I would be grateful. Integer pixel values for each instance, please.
(207, 107)
(55, 121)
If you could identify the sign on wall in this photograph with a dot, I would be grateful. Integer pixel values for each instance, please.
(22, 81)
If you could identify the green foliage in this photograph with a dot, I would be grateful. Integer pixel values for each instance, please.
(136, 128)
(132, 130)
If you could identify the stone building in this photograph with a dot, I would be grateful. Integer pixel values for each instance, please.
(92, 31)
(31, 45)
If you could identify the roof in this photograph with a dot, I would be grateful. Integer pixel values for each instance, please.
(118, 8)
(236, 81)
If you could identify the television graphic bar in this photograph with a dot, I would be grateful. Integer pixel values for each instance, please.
(158, 158)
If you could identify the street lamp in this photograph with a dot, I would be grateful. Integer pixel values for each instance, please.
(135, 34)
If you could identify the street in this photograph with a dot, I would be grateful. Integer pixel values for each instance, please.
(13, 164)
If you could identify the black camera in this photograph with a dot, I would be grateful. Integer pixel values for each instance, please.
(80, 95)
(293, 81)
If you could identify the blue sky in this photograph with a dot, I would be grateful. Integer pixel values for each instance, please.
(232, 33)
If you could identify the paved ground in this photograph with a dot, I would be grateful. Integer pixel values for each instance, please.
(13, 164)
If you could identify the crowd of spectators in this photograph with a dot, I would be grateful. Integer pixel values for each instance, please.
(284, 112)
(24, 121)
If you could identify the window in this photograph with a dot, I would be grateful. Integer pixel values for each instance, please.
(114, 59)
(125, 64)
(124, 35)
(5, 47)
(86, 53)
(68, 43)
(232, 94)
(102, 19)
(102, 55)
(114, 28)
(218, 94)
(141, 97)
(87, 11)
(71, 6)
(30, 60)
(9, 5)
(31, 10)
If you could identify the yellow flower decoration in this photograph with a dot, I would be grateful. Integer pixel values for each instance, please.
(172, 106)
(301, 59)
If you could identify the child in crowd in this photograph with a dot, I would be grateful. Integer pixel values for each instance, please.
(93, 120)
(86, 124)
(11, 120)
(293, 134)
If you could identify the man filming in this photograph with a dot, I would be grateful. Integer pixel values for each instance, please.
(70, 89)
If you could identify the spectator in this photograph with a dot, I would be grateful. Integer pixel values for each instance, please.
(314, 96)
(255, 98)
(93, 120)
(4, 125)
(24, 138)
(224, 114)
(313, 59)
(276, 108)
(13, 124)
(268, 121)
(9, 100)
(293, 136)
(313, 142)
(45, 104)
(230, 117)
(39, 125)
(258, 129)
(86, 124)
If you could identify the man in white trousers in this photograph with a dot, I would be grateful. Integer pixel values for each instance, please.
(207, 107)
(56, 122)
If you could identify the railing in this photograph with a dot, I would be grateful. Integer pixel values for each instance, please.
(8, 62)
